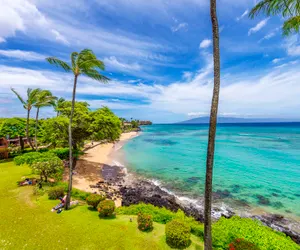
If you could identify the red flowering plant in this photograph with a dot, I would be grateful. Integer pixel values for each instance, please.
(106, 208)
(145, 222)
(242, 244)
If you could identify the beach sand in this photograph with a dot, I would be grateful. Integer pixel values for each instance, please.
(89, 166)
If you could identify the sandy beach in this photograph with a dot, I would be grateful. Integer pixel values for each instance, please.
(89, 167)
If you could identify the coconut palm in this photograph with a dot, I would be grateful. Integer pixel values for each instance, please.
(82, 63)
(44, 99)
(288, 9)
(58, 105)
(212, 128)
(32, 95)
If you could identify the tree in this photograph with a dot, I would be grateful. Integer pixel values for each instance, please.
(82, 63)
(288, 9)
(32, 95)
(212, 128)
(44, 99)
(53, 167)
(58, 105)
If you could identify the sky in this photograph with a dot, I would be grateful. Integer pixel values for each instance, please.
(158, 55)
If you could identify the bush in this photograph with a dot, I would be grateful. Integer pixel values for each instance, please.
(197, 229)
(33, 157)
(75, 193)
(145, 222)
(178, 234)
(225, 231)
(241, 244)
(51, 168)
(94, 199)
(56, 192)
(106, 208)
(63, 153)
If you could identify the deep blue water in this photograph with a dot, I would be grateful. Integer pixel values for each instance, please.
(258, 164)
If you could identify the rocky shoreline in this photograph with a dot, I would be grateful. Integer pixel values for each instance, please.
(133, 190)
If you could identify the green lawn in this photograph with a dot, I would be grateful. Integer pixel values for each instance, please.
(27, 223)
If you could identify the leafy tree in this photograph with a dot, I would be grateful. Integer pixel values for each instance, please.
(58, 105)
(44, 99)
(135, 123)
(51, 168)
(288, 9)
(212, 128)
(105, 125)
(28, 104)
(82, 63)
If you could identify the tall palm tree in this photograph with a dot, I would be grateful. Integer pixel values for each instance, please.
(288, 9)
(212, 128)
(58, 105)
(32, 95)
(82, 63)
(44, 99)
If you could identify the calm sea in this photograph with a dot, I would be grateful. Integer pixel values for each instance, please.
(255, 164)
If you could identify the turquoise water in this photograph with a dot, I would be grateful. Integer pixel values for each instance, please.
(255, 164)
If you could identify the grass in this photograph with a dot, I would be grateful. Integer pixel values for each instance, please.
(27, 223)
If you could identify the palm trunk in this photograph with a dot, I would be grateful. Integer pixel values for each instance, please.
(27, 129)
(212, 128)
(36, 127)
(68, 199)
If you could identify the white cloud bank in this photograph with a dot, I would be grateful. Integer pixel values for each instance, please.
(258, 26)
(22, 55)
(205, 44)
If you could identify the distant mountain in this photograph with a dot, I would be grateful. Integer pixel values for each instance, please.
(205, 120)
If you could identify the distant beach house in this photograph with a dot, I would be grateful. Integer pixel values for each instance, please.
(3, 148)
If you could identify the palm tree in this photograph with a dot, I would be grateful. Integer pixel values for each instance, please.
(44, 99)
(212, 128)
(32, 95)
(58, 105)
(82, 63)
(288, 9)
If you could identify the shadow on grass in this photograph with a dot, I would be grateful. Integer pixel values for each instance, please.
(93, 209)
(180, 247)
(111, 217)
(147, 231)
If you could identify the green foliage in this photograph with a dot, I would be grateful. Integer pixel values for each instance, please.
(145, 222)
(105, 125)
(178, 234)
(53, 167)
(56, 192)
(33, 157)
(63, 153)
(94, 199)
(241, 244)
(15, 127)
(224, 231)
(106, 208)
(76, 193)
(135, 123)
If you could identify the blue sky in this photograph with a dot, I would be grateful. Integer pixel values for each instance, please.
(158, 54)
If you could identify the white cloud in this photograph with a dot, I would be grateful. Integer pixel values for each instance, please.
(180, 26)
(243, 15)
(22, 55)
(113, 63)
(205, 43)
(277, 60)
(258, 26)
(59, 37)
(187, 75)
(292, 46)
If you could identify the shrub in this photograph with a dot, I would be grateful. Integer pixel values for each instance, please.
(55, 192)
(75, 193)
(63, 153)
(178, 234)
(33, 157)
(94, 199)
(225, 231)
(197, 229)
(145, 222)
(106, 208)
(241, 244)
(51, 168)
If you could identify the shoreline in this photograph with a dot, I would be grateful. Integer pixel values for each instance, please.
(126, 189)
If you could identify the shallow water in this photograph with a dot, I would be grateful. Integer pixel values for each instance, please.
(255, 164)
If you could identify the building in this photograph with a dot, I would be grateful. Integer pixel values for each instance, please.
(3, 148)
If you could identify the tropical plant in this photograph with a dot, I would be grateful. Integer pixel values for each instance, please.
(44, 99)
(288, 9)
(145, 222)
(178, 234)
(212, 128)
(53, 167)
(58, 105)
(82, 63)
(106, 208)
(94, 199)
(32, 95)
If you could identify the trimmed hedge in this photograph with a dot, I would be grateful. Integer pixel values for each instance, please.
(34, 157)
(178, 234)
(106, 208)
(55, 192)
(94, 199)
(225, 231)
(145, 222)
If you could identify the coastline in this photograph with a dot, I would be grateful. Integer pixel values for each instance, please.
(126, 189)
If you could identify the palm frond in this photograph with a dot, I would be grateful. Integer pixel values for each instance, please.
(59, 63)
(291, 26)
(88, 60)
(275, 7)
(74, 57)
(94, 74)
(19, 97)
(45, 98)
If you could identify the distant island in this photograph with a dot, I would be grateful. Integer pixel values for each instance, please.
(205, 120)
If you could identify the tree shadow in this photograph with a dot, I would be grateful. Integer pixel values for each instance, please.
(93, 209)
(112, 217)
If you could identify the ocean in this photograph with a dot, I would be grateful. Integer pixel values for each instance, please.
(257, 166)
